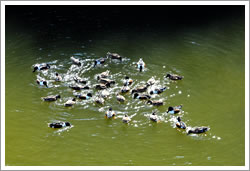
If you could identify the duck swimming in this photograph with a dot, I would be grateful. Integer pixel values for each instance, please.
(174, 77)
(84, 97)
(151, 81)
(101, 86)
(141, 65)
(103, 75)
(99, 100)
(154, 117)
(158, 90)
(75, 61)
(114, 56)
(79, 87)
(99, 61)
(140, 89)
(174, 110)
(40, 67)
(110, 113)
(59, 124)
(197, 130)
(79, 80)
(120, 98)
(128, 81)
(125, 89)
(142, 96)
(70, 102)
(155, 102)
(126, 119)
(58, 77)
(106, 81)
(104, 94)
(180, 124)
(42, 82)
(51, 98)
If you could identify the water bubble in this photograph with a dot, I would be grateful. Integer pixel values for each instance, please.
(188, 95)
(179, 92)
(164, 67)
(218, 138)
(213, 136)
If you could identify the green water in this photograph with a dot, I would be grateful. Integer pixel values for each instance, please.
(209, 56)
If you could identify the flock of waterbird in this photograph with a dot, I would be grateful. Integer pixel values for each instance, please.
(104, 82)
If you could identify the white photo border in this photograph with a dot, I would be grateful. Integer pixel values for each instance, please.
(4, 3)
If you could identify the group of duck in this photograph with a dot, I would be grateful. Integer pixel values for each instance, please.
(104, 82)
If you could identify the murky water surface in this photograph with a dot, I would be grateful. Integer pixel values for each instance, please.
(210, 56)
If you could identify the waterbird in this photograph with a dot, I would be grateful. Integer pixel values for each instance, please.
(103, 75)
(180, 124)
(128, 81)
(79, 87)
(104, 94)
(141, 64)
(114, 56)
(174, 110)
(99, 61)
(157, 90)
(174, 77)
(106, 81)
(84, 96)
(120, 98)
(140, 89)
(79, 80)
(75, 61)
(42, 82)
(51, 98)
(155, 102)
(151, 81)
(141, 96)
(126, 119)
(70, 102)
(41, 66)
(125, 89)
(110, 113)
(197, 130)
(58, 77)
(154, 117)
(59, 124)
(99, 100)
(102, 86)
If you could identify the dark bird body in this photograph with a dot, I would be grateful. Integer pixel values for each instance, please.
(114, 56)
(59, 124)
(40, 67)
(174, 77)
(51, 98)
(155, 102)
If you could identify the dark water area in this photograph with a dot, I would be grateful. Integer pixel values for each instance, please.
(77, 19)
(205, 44)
